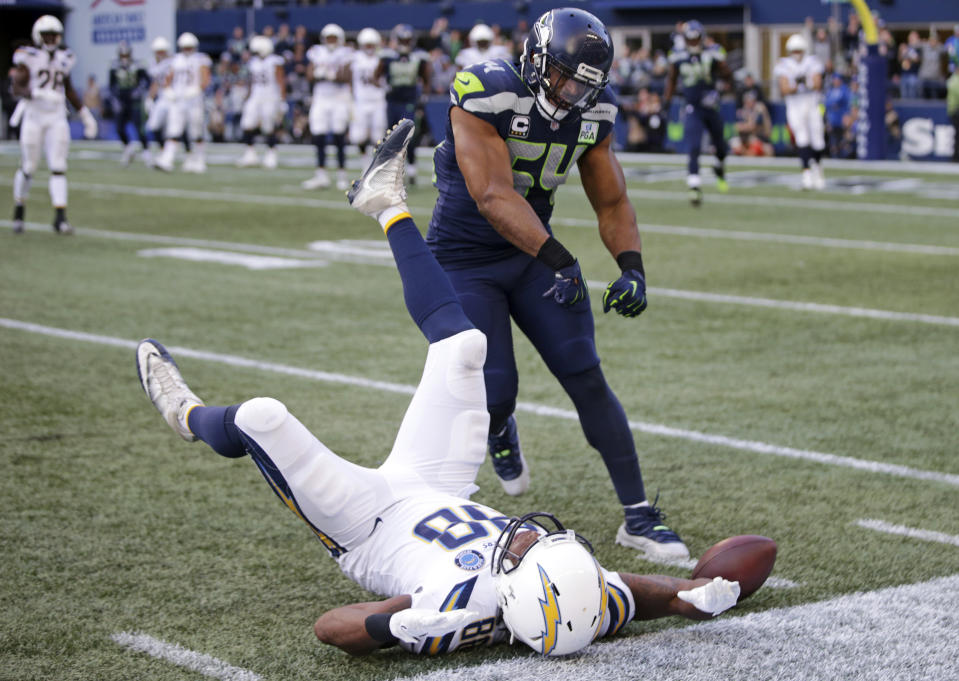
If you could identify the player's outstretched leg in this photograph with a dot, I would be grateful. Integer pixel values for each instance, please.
(380, 189)
(645, 529)
(161, 379)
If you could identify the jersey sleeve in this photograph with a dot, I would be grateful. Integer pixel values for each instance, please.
(484, 90)
(620, 607)
(22, 56)
(676, 56)
(471, 593)
(780, 70)
(204, 59)
(815, 66)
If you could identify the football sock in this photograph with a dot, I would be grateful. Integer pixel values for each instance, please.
(340, 142)
(215, 426)
(58, 189)
(18, 211)
(248, 138)
(21, 186)
(429, 296)
(60, 215)
(498, 416)
(720, 169)
(607, 430)
(320, 142)
(271, 140)
(805, 154)
(817, 155)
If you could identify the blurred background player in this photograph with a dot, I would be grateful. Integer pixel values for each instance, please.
(407, 73)
(266, 102)
(128, 83)
(41, 76)
(799, 76)
(188, 78)
(160, 96)
(697, 70)
(481, 48)
(369, 93)
(330, 108)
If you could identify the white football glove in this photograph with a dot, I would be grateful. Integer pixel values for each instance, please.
(716, 597)
(413, 624)
(90, 126)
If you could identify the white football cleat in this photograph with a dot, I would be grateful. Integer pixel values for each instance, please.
(161, 379)
(342, 183)
(129, 151)
(164, 162)
(806, 181)
(269, 159)
(818, 179)
(147, 158)
(320, 180)
(381, 186)
(248, 159)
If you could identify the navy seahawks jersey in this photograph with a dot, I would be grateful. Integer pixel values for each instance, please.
(696, 74)
(541, 158)
(128, 80)
(402, 73)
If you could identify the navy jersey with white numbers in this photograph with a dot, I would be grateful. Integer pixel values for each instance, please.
(541, 159)
(696, 75)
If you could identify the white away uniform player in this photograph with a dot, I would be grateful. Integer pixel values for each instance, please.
(481, 48)
(160, 96)
(800, 81)
(266, 104)
(188, 78)
(42, 76)
(369, 94)
(330, 108)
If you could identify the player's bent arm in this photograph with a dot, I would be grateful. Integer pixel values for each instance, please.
(785, 88)
(281, 81)
(21, 81)
(605, 186)
(345, 627)
(657, 596)
(71, 94)
(670, 88)
(204, 78)
(816, 82)
(484, 160)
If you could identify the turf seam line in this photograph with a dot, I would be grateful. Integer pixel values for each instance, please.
(911, 532)
(542, 410)
(183, 657)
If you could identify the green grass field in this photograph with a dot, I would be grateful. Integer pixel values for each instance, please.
(111, 524)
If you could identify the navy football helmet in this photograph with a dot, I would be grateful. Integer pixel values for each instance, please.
(693, 34)
(566, 61)
(402, 36)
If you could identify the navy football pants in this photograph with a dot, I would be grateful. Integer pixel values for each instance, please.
(699, 118)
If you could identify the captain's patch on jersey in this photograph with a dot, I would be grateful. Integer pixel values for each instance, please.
(588, 132)
(519, 126)
(470, 560)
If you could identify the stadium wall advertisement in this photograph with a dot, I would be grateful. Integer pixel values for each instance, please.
(94, 28)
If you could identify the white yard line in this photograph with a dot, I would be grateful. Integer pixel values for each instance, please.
(183, 657)
(901, 633)
(542, 410)
(375, 254)
(911, 532)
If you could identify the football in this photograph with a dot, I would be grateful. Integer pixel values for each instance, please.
(747, 559)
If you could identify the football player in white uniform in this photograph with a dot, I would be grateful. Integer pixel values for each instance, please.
(266, 102)
(482, 48)
(330, 108)
(369, 93)
(160, 95)
(800, 81)
(188, 78)
(41, 75)
(455, 573)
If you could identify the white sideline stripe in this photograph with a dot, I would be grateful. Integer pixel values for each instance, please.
(183, 657)
(356, 252)
(542, 410)
(901, 633)
(911, 532)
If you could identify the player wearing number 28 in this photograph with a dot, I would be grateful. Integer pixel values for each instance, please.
(514, 134)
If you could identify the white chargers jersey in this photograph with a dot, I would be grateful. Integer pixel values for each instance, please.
(799, 73)
(327, 64)
(473, 55)
(186, 69)
(159, 70)
(263, 82)
(48, 73)
(365, 89)
(444, 564)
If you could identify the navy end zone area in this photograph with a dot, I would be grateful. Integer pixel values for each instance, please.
(794, 376)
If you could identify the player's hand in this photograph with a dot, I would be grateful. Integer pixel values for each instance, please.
(716, 597)
(569, 287)
(626, 295)
(90, 126)
(413, 624)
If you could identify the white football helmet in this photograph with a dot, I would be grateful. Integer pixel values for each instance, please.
(796, 43)
(47, 24)
(160, 44)
(333, 31)
(369, 38)
(187, 41)
(554, 596)
(261, 45)
(481, 33)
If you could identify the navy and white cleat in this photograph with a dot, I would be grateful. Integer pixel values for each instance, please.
(645, 529)
(381, 186)
(508, 461)
(163, 384)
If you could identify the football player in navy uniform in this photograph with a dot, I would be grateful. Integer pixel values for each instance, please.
(513, 135)
(407, 74)
(697, 70)
(128, 83)
(455, 574)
